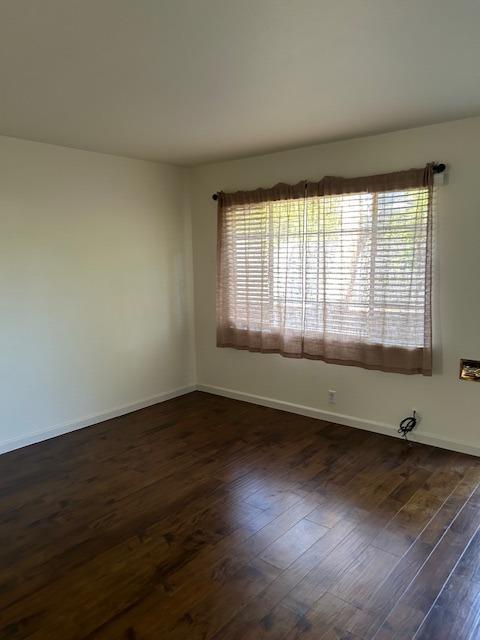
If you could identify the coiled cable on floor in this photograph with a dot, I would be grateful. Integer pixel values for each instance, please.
(407, 425)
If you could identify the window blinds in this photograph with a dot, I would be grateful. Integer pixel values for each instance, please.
(338, 270)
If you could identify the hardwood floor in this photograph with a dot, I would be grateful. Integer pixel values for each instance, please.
(208, 518)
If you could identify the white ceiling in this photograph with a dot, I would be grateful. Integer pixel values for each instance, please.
(188, 81)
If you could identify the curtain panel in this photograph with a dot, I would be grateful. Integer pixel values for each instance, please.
(337, 270)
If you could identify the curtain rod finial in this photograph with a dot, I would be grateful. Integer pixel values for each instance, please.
(215, 196)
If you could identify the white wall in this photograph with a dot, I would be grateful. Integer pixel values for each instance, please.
(449, 408)
(95, 286)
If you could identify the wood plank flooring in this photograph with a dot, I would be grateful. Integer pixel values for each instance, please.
(205, 518)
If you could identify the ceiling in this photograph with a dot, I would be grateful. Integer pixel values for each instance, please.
(190, 81)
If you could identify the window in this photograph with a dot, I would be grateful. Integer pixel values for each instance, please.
(337, 270)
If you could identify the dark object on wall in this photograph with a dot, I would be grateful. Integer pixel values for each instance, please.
(407, 425)
(470, 370)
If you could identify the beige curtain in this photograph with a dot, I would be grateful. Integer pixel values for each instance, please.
(338, 270)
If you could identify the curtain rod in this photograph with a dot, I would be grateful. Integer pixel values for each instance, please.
(437, 168)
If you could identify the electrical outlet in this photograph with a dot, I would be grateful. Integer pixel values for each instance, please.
(332, 396)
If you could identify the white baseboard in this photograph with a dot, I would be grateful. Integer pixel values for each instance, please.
(339, 418)
(38, 436)
(311, 412)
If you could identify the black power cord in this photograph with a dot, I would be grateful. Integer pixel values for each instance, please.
(407, 425)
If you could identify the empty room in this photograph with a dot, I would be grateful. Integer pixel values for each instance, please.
(239, 327)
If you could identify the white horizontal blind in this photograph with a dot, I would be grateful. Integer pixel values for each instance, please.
(366, 267)
(328, 277)
(265, 247)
